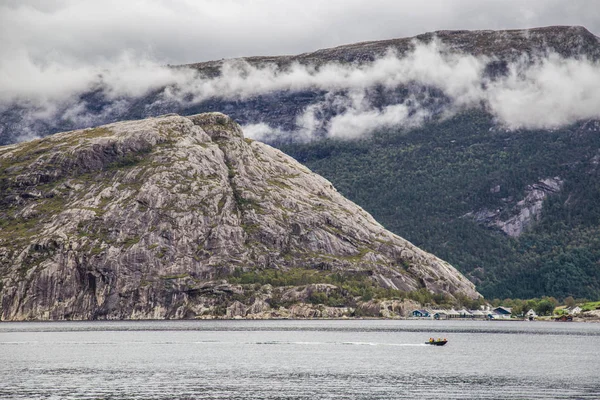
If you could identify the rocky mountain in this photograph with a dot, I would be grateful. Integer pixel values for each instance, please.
(179, 217)
(478, 146)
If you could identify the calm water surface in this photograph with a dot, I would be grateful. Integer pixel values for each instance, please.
(299, 360)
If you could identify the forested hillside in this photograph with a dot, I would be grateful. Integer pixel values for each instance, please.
(423, 184)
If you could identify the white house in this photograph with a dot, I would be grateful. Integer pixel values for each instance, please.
(575, 310)
(501, 313)
(530, 314)
(439, 314)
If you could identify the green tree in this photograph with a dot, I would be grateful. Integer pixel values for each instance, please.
(569, 302)
(518, 307)
(545, 307)
(531, 305)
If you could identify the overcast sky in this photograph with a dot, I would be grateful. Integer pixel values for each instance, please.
(93, 32)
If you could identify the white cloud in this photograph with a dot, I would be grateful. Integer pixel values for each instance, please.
(260, 131)
(457, 75)
(356, 123)
(548, 94)
(537, 93)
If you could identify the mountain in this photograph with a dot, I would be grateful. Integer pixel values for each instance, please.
(478, 146)
(178, 217)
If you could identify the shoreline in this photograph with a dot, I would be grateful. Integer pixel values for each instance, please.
(547, 319)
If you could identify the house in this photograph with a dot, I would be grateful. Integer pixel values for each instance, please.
(501, 312)
(439, 314)
(575, 310)
(531, 314)
(420, 314)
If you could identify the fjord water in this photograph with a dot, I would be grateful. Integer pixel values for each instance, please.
(355, 359)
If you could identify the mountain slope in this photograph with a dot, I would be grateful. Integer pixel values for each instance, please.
(131, 220)
(516, 211)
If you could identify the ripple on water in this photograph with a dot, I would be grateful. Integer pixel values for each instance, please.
(298, 360)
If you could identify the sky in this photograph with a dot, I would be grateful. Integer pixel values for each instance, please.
(53, 51)
(81, 32)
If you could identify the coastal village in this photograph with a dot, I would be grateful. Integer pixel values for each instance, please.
(566, 314)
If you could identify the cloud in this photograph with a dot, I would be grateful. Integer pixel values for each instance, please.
(347, 110)
(55, 52)
(537, 93)
(261, 131)
(356, 123)
(430, 64)
(395, 90)
(26, 81)
(549, 93)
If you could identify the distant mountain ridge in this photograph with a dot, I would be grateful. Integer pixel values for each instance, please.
(568, 41)
(97, 105)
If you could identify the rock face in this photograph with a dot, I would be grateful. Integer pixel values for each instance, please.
(151, 219)
(524, 213)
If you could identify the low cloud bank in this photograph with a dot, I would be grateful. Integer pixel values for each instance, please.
(534, 93)
(552, 92)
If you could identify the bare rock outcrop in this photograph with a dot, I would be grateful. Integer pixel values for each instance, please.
(524, 213)
(153, 218)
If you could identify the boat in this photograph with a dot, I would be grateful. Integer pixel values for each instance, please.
(439, 342)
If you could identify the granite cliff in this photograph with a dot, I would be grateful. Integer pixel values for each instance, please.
(168, 217)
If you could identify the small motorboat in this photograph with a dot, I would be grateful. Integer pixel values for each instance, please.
(439, 342)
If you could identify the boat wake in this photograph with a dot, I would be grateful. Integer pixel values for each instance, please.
(341, 343)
